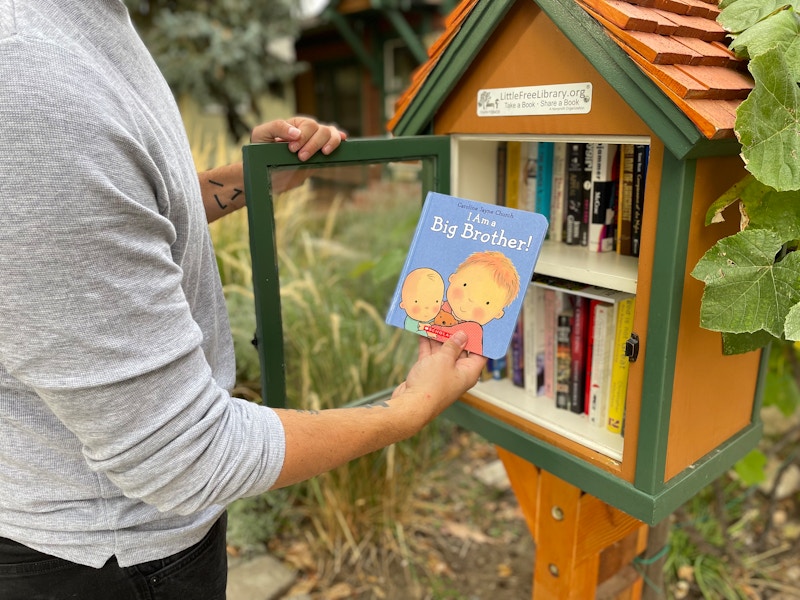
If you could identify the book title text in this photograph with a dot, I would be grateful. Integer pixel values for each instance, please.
(480, 229)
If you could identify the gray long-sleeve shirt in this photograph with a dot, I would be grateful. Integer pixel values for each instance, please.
(117, 434)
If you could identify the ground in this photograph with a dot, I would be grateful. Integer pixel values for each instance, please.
(468, 541)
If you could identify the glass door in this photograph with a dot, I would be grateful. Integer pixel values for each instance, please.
(328, 238)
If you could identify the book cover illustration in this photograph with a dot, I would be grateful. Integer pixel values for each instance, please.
(468, 268)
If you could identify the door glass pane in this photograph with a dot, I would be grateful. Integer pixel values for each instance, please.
(341, 234)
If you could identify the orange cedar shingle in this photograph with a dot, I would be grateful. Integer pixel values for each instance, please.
(677, 43)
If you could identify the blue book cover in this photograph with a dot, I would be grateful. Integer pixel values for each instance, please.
(468, 268)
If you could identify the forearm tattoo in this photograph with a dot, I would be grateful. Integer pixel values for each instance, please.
(225, 197)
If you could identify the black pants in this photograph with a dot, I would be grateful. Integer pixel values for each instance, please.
(197, 573)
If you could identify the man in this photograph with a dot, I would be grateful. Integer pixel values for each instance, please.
(120, 445)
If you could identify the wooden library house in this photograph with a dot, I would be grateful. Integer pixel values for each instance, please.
(511, 81)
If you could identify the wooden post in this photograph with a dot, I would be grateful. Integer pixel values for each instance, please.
(581, 541)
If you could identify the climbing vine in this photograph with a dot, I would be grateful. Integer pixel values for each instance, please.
(752, 278)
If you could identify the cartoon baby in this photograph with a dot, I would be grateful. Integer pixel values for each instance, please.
(421, 297)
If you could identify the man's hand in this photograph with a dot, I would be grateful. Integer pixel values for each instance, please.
(304, 135)
(442, 373)
(222, 188)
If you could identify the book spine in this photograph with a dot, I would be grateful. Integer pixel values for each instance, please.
(531, 175)
(500, 188)
(558, 194)
(618, 387)
(625, 200)
(563, 360)
(513, 153)
(544, 180)
(517, 353)
(640, 159)
(578, 336)
(576, 154)
(550, 324)
(589, 355)
(497, 367)
(603, 198)
(533, 340)
(586, 197)
(600, 367)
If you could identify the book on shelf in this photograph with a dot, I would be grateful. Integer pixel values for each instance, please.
(514, 189)
(551, 311)
(601, 339)
(497, 368)
(500, 178)
(531, 166)
(604, 178)
(516, 355)
(558, 195)
(578, 340)
(609, 316)
(618, 386)
(533, 342)
(563, 374)
(576, 157)
(544, 179)
(641, 154)
(625, 199)
(586, 199)
(467, 269)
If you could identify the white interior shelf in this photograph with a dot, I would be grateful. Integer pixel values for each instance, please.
(542, 411)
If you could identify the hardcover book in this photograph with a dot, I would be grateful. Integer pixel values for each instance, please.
(557, 199)
(575, 190)
(625, 202)
(602, 222)
(641, 154)
(468, 268)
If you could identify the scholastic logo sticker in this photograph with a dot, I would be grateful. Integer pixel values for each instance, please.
(563, 99)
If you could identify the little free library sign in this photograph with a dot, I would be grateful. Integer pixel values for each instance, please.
(561, 99)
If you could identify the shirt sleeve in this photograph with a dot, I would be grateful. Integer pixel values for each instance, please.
(94, 314)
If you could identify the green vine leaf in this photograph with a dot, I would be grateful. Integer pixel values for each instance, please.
(748, 185)
(743, 14)
(768, 126)
(761, 207)
(779, 30)
(792, 326)
(746, 290)
(739, 343)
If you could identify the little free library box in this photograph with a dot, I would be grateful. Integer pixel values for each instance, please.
(492, 116)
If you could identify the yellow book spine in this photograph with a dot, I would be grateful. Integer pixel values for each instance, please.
(618, 388)
(513, 152)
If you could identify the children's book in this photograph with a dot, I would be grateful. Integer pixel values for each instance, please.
(468, 268)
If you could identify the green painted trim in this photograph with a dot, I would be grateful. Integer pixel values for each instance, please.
(694, 478)
(258, 160)
(264, 259)
(669, 264)
(666, 120)
(455, 60)
(650, 508)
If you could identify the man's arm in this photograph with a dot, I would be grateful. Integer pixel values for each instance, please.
(222, 188)
(319, 441)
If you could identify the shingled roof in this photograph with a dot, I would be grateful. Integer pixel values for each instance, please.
(677, 44)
